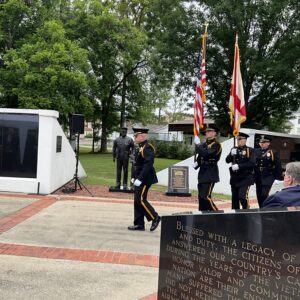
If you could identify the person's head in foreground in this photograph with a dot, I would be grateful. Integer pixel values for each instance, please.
(290, 195)
(292, 174)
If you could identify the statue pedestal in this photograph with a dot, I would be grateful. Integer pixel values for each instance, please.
(114, 189)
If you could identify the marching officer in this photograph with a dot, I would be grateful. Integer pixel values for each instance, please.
(242, 159)
(144, 176)
(267, 170)
(208, 155)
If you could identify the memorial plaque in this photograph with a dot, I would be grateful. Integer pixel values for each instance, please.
(178, 181)
(241, 255)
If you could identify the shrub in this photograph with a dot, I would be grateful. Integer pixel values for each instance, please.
(173, 150)
(184, 152)
(162, 149)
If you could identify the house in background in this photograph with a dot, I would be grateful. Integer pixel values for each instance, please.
(157, 132)
(295, 123)
(185, 129)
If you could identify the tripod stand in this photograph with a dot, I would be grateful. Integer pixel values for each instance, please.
(78, 185)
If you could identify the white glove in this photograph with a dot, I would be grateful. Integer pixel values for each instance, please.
(137, 182)
(278, 181)
(233, 151)
(235, 167)
(196, 140)
(132, 180)
(195, 165)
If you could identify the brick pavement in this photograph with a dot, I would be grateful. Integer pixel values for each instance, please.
(102, 195)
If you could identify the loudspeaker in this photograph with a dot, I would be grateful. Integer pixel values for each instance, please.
(77, 124)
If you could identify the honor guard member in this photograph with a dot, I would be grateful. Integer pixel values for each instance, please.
(208, 155)
(132, 158)
(267, 169)
(242, 159)
(122, 148)
(145, 176)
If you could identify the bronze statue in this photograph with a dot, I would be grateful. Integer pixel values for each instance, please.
(122, 149)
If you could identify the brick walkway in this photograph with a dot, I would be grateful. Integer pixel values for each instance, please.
(101, 195)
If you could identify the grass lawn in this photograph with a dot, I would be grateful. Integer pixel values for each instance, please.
(101, 170)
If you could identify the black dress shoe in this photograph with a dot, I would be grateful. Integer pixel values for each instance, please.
(155, 223)
(136, 227)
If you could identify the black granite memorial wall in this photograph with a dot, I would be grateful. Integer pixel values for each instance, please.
(18, 145)
(242, 255)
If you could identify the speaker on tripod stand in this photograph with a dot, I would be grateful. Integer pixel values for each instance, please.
(76, 128)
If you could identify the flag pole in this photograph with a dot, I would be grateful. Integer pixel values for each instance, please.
(236, 43)
(233, 91)
(200, 89)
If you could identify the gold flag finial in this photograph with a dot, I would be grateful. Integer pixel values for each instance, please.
(206, 25)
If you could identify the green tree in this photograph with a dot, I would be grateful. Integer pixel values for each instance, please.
(49, 72)
(115, 48)
(269, 45)
(269, 41)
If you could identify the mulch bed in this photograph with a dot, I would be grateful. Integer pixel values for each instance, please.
(103, 191)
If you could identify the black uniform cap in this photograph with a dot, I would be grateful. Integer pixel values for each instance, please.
(140, 130)
(242, 135)
(265, 138)
(211, 127)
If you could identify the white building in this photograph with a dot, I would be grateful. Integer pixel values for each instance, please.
(296, 123)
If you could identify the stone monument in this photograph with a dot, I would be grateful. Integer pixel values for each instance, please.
(237, 255)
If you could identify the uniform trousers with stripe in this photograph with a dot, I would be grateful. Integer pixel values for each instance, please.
(262, 192)
(240, 196)
(142, 208)
(204, 196)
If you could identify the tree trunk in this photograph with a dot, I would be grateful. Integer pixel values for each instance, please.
(104, 113)
(123, 104)
(93, 141)
(103, 146)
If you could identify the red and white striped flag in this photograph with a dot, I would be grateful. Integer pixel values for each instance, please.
(200, 97)
(237, 102)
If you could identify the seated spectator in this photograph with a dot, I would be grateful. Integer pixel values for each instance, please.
(290, 195)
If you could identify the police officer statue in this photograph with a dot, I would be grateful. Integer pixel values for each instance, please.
(242, 159)
(267, 169)
(122, 148)
(208, 155)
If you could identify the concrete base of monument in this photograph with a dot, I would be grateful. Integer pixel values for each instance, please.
(178, 194)
(114, 189)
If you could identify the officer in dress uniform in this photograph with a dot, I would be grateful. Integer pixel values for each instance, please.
(208, 155)
(144, 176)
(122, 148)
(132, 158)
(242, 159)
(267, 169)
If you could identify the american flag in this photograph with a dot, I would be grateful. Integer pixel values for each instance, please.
(237, 102)
(200, 97)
